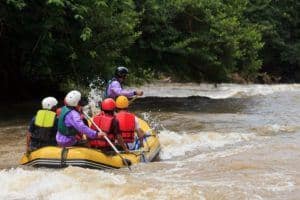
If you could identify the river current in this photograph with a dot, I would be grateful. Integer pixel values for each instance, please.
(218, 142)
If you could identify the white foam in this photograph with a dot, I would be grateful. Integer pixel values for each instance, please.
(220, 154)
(277, 182)
(222, 91)
(70, 183)
(76, 183)
(274, 129)
(175, 144)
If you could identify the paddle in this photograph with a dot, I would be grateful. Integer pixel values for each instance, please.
(133, 99)
(108, 140)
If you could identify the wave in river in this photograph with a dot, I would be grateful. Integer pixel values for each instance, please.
(175, 144)
(70, 183)
(75, 183)
(220, 91)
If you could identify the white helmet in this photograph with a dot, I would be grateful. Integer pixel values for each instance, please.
(73, 98)
(49, 103)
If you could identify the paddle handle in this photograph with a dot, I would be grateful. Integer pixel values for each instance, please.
(108, 140)
(133, 99)
(105, 137)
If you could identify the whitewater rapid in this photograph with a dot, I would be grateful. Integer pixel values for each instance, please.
(240, 142)
(219, 91)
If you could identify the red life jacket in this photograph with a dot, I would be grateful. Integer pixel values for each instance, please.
(127, 125)
(58, 111)
(104, 122)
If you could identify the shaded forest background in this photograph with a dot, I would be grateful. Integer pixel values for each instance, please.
(48, 46)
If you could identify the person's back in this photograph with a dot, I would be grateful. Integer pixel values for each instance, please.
(128, 123)
(70, 122)
(114, 87)
(43, 127)
(106, 121)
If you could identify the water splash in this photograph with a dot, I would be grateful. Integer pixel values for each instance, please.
(152, 121)
(95, 95)
(175, 144)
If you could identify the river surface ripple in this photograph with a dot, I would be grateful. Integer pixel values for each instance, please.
(225, 142)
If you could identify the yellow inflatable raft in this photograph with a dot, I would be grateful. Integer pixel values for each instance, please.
(57, 157)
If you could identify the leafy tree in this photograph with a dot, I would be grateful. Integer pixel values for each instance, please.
(207, 40)
(280, 26)
(49, 42)
(50, 45)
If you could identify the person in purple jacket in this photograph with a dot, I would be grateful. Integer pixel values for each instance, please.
(70, 122)
(114, 87)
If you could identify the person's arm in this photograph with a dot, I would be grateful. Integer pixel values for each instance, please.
(28, 140)
(122, 143)
(78, 124)
(116, 131)
(54, 131)
(28, 134)
(117, 90)
(139, 131)
(55, 124)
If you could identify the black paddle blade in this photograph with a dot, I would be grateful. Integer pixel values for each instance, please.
(127, 162)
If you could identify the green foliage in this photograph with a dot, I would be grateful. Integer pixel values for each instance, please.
(60, 43)
(86, 34)
(56, 41)
(199, 40)
(140, 76)
(279, 23)
(19, 4)
(56, 2)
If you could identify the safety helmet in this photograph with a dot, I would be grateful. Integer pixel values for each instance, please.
(108, 104)
(48, 103)
(121, 71)
(73, 98)
(122, 102)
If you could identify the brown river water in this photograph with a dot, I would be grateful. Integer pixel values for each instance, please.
(225, 142)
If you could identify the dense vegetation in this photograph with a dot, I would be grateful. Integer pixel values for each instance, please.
(48, 45)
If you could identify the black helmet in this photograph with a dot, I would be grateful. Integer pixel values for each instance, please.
(121, 71)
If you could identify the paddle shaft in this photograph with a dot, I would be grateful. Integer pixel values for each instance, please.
(133, 99)
(108, 140)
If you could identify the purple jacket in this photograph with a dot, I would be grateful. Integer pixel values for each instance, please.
(73, 119)
(115, 89)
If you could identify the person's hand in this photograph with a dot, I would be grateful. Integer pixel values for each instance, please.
(141, 140)
(101, 134)
(127, 150)
(28, 150)
(139, 93)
